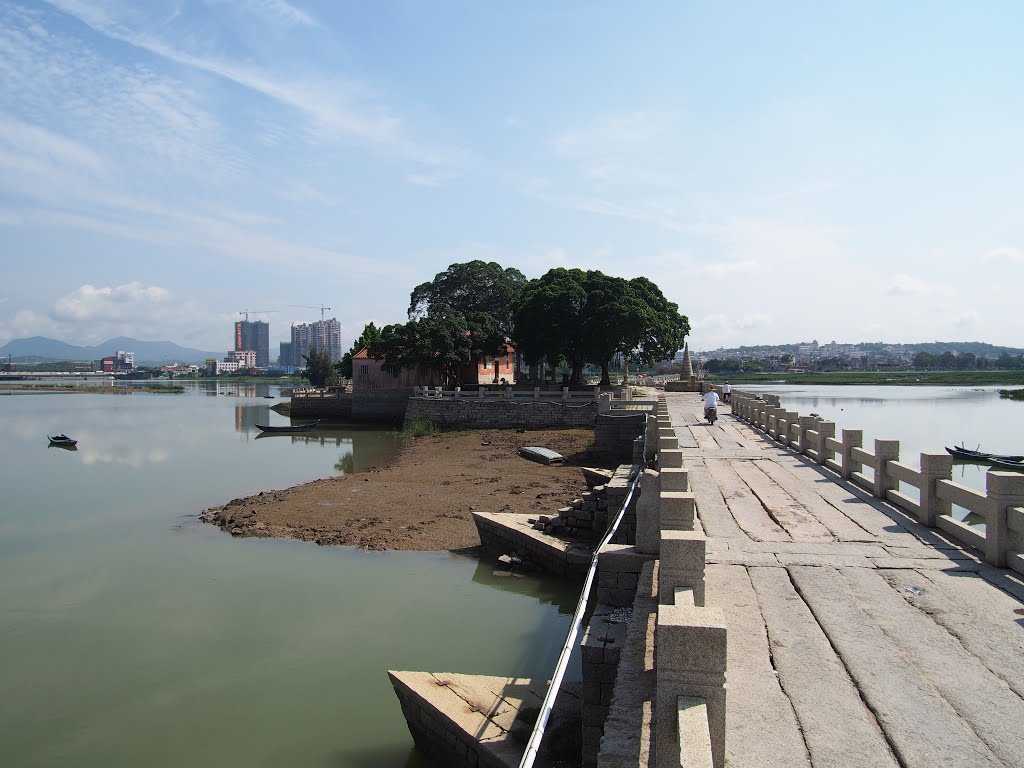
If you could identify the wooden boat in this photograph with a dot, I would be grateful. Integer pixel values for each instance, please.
(966, 453)
(1003, 464)
(62, 440)
(290, 427)
(542, 455)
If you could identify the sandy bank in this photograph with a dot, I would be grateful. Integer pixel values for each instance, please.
(423, 500)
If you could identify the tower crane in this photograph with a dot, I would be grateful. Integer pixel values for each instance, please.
(259, 312)
(322, 309)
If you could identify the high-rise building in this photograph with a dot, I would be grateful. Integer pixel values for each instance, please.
(323, 335)
(286, 358)
(254, 335)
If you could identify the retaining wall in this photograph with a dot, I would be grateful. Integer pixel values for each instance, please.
(474, 413)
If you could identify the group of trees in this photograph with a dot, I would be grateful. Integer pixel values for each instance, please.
(966, 361)
(477, 309)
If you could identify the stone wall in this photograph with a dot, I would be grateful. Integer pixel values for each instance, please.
(383, 405)
(474, 413)
(614, 436)
(332, 408)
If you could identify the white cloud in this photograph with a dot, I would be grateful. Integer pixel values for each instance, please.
(1008, 255)
(966, 319)
(334, 107)
(282, 11)
(907, 285)
(89, 303)
(46, 146)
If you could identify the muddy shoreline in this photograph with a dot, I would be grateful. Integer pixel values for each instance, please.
(423, 500)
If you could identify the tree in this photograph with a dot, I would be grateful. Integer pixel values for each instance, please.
(441, 342)
(318, 368)
(370, 334)
(482, 292)
(550, 319)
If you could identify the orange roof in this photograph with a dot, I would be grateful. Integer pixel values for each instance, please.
(362, 354)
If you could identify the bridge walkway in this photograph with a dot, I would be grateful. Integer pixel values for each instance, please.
(857, 637)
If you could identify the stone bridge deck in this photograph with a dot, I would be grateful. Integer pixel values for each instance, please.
(857, 637)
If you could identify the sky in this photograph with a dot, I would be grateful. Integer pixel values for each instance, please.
(784, 171)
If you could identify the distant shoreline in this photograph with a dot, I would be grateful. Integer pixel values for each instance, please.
(880, 378)
(91, 389)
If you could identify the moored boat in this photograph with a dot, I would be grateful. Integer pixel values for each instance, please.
(1003, 464)
(62, 440)
(966, 453)
(290, 427)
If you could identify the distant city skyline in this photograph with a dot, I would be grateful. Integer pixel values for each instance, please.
(850, 168)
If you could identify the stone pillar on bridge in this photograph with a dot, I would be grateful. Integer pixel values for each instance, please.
(1005, 490)
(934, 467)
(885, 452)
(852, 438)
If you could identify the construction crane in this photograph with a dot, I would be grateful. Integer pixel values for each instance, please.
(322, 309)
(259, 312)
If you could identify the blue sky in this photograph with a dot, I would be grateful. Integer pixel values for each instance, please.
(784, 171)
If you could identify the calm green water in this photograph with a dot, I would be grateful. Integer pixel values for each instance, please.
(132, 635)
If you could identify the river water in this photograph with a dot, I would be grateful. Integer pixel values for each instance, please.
(132, 635)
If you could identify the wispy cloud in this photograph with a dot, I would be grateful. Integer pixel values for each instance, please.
(908, 285)
(1007, 255)
(336, 107)
(280, 10)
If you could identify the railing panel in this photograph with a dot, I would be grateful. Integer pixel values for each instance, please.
(961, 495)
(903, 473)
(861, 455)
(961, 531)
(903, 501)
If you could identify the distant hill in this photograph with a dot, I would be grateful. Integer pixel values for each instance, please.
(40, 348)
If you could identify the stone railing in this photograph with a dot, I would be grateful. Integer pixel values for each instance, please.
(881, 473)
(689, 637)
(619, 399)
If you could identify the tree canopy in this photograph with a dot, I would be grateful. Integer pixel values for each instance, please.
(439, 342)
(590, 317)
(318, 368)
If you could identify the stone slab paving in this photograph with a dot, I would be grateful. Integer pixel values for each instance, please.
(857, 637)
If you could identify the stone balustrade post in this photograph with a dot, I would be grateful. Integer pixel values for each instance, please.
(826, 432)
(604, 404)
(681, 564)
(650, 439)
(670, 459)
(852, 438)
(667, 438)
(690, 644)
(1005, 490)
(565, 398)
(934, 467)
(677, 509)
(674, 479)
(648, 520)
(885, 451)
(805, 424)
(536, 393)
(480, 393)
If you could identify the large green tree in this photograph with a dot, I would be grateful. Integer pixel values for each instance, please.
(318, 368)
(589, 317)
(482, 292)
(440, 342)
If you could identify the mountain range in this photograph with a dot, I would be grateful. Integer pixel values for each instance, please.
(39, 348)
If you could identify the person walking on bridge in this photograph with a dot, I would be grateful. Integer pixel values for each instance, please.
(726, 393)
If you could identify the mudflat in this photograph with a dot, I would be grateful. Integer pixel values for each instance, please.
(424, 499)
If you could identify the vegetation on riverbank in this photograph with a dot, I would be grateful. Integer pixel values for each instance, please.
(419, 428)
(1012, 394)
(902, 378)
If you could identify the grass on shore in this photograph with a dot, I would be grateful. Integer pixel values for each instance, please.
(1012, 394)
(891, 378)
(419, 428)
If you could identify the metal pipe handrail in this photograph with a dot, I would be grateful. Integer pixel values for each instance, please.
(533, 745)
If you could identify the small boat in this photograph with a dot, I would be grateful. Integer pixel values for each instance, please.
(966, 453)
(290, 427)
(1004, 464)
(269, 397)
(62, 440)
(542, 455)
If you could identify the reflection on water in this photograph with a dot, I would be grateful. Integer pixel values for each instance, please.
(124, 623)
